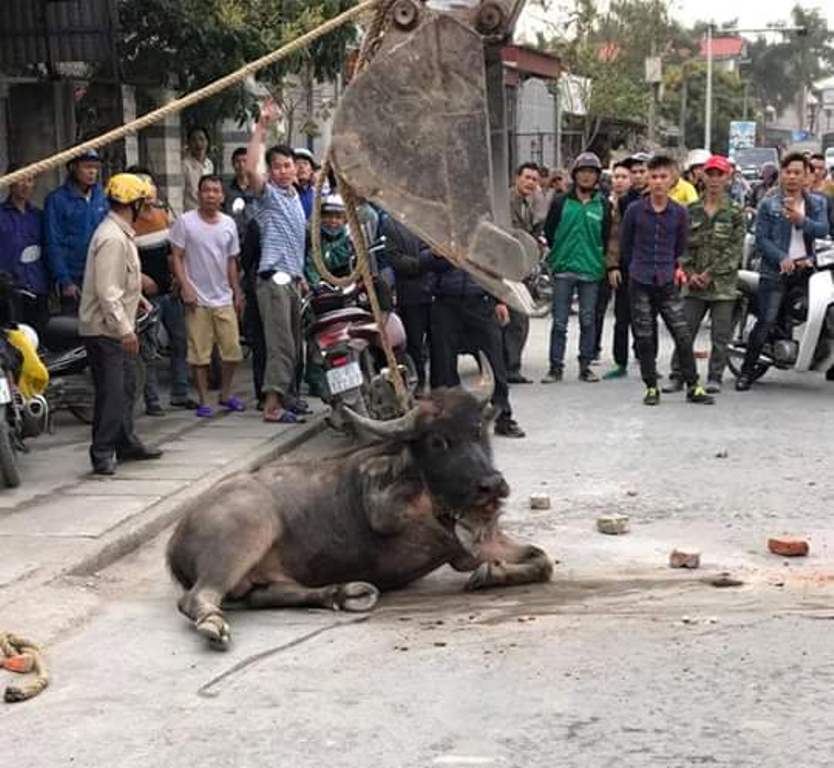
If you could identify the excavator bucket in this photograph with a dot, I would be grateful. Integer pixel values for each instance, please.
(421, 131)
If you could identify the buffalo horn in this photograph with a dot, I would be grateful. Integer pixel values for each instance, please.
(401, 427)
(485, 388)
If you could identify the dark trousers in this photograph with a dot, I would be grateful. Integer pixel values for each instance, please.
(114, 378)
(769, 298)
(467, 323)
(417, 322)
(603, 299)
(515, 335)
(172, 317)
(254, 330)
(622, 324)
(721, 329)
(647, 301)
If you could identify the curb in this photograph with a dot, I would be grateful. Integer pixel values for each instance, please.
(130, 534)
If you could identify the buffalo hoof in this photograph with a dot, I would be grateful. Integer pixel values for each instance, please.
(216, 630)
(356, 597)
(482, 578)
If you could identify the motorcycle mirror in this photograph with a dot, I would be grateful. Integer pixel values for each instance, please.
(281, 278)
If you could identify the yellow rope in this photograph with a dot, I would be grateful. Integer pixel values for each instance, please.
(12, 646)
(362, 270)
(62, 158)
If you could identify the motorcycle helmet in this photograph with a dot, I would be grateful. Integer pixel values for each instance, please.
(332, 204)
(127, 188)
(88, 155)
(697, 157)
(586, 160)
(31, 335)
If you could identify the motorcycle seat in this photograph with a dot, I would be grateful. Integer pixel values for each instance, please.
(346, 315)
(61, 333)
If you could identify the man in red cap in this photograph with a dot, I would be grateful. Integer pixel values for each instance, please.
(711, 263)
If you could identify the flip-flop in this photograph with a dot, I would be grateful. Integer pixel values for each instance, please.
(285, 417)
(300, 407)
(233, 404)
(204, 411)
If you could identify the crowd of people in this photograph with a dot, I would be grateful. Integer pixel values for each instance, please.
(651, 239)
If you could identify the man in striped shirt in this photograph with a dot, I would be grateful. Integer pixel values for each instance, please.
(280, 215)
(652, 241)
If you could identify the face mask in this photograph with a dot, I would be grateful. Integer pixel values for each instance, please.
(331, 232)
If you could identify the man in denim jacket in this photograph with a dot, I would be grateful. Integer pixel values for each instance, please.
(787, 224)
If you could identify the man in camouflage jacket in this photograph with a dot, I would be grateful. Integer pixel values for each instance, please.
(711, 264)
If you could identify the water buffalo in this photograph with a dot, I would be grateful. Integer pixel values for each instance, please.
(332, 533)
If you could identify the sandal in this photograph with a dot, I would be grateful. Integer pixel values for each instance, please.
(283, 417)
(233, 404)
(300, 407)
(204, 411)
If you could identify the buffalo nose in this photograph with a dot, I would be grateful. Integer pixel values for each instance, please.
(494, 486)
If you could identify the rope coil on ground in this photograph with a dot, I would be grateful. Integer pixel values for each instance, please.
(22, 656)
(177, 105)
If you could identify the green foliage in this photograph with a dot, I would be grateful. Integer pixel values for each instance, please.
(779, 70)
(186, 44)
(727, 102)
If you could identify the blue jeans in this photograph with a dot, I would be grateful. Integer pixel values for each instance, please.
(563, 289)
(769, 300)
(172, 316)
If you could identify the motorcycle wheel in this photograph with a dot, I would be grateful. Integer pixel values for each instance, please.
(8, 458)
(738, 343)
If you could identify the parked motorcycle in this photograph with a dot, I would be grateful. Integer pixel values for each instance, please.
(345, 344)
(65, 357)
(802, 338)
(23, 416)
(540, 285)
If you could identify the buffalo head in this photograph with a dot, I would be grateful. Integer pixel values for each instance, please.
(448, 437)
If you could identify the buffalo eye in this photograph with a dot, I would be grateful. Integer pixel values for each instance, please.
(438, 443)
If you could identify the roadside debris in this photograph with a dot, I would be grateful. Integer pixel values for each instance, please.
(787, 546)
(613, 525)
(685, 558)
(539, 501)
(724, 580)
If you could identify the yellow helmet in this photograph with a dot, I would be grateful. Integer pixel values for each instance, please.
(127, 188)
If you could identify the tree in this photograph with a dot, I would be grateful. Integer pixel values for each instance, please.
(782, 73)
(186, 44)
(727, 102)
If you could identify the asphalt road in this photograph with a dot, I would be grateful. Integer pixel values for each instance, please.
(619, 662)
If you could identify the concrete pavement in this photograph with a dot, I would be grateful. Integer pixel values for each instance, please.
(64, 520)
(596, 669)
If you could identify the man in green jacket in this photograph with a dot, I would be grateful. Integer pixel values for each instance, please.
(711, 263)
(577, 230)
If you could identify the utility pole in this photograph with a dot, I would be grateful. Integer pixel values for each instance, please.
(708, 115)
(684, 100)
(735, 31)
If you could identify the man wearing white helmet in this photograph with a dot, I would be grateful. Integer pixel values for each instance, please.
(695, 162)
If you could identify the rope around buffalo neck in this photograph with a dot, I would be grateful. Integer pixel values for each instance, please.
(177, 105)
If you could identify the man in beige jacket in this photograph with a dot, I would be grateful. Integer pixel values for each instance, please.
(110, 297)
